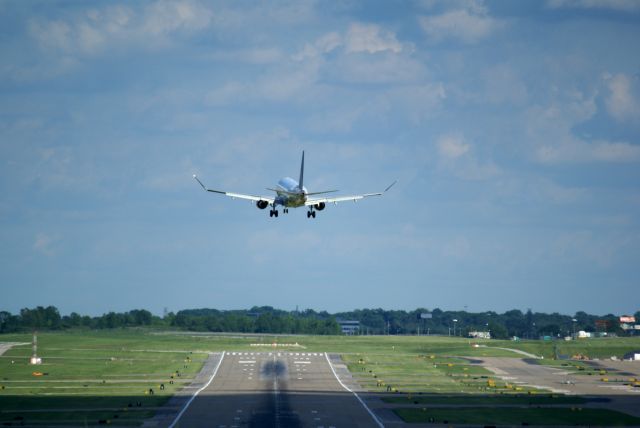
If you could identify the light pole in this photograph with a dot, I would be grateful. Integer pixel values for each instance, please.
(574, 321)
(454, 327)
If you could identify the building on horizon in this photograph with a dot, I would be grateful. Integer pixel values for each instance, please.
(349, 327)
(480, 334)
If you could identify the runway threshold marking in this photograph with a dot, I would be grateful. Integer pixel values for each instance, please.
(373, 415)
(188, 403)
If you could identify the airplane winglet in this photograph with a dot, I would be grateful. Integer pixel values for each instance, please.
(199, 182)
(205, 188)
(390, 186)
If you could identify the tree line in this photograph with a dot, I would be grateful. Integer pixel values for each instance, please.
(266, 319)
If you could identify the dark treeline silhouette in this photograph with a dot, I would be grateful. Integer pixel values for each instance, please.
(528, 325)
(266, 319)
(263, 319)
(49, 318)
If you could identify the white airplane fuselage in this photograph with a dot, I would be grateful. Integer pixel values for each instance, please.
(289, 194)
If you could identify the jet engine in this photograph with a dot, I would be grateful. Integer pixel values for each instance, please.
(319, 206)
(262, 204)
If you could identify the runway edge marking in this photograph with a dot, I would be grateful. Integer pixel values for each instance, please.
(373, 415)
(186, 406)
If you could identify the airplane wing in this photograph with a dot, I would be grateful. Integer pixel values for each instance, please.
(269, 199)
(298, 193)
(346, 198)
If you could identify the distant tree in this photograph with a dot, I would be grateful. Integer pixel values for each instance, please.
(9, 323)
(140, 317)
(72, 320)
(550, 330)
(87, 321)
(41, 317)
(169, 319)
(514, 321)
(498, 331)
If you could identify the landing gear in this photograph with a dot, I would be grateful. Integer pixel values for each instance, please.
(285, 211)
(311, 214)
(273, 213)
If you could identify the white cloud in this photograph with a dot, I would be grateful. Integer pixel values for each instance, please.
(371, 38)
(258, 55)
(43, 244)
(623, 100)
(458, 159)
(452, 146)
(381, 68)
(329, 42)
(573, 150)
(51, 34)
(551, 133)
(468, 24)
(92, 31)
(85, 33)
(550, 191)
(363, 53)
(287, 82)
(164, 17)
(619, 5)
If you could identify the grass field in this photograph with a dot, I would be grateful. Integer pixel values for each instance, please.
(91, 376)
(551, 416)
(425, 373)
(487, 400)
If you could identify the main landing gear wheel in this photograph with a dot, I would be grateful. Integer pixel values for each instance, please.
(311, 214)
(273, 213)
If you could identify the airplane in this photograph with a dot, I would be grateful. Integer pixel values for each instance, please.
(292, 194)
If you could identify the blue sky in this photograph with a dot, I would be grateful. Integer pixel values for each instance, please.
(512, 127)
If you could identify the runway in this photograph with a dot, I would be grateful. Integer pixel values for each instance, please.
(275, 389)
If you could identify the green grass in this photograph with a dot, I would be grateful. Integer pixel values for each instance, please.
(470, 400)
(551, 416)
(93, 375)
(603, 347)
(600, 347)
(417, 373)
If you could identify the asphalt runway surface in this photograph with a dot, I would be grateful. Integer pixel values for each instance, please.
(614, 394)
(275, 389)
(564, 381)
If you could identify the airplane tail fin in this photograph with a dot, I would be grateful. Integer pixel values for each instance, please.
(300, 182)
